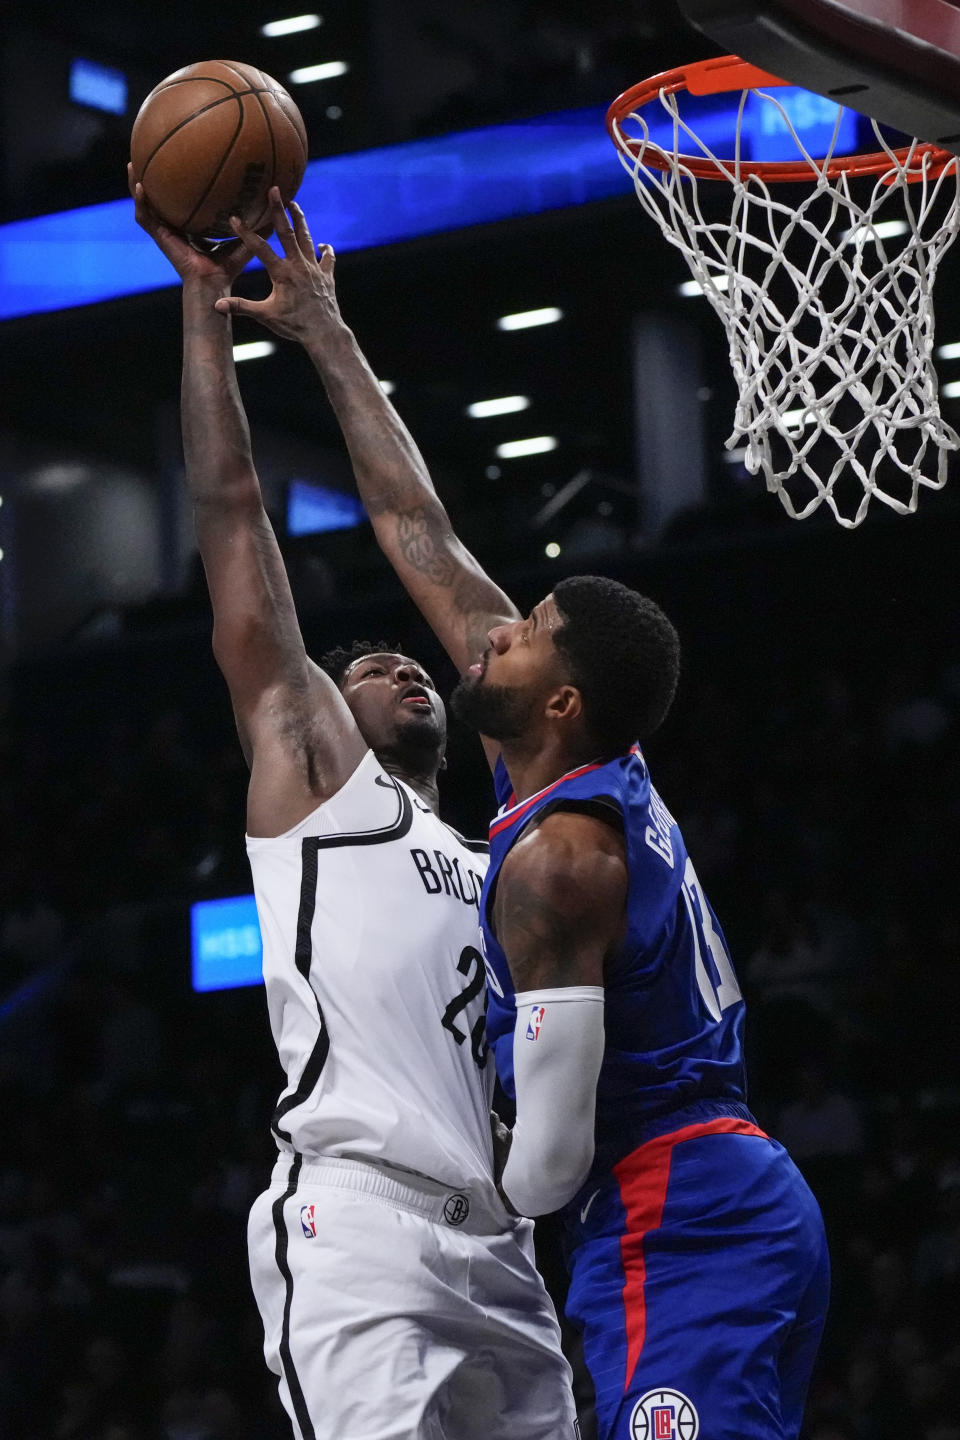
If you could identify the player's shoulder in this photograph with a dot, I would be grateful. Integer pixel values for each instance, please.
(573, 858)
(369, 808)
(575, 840)
(622, 779)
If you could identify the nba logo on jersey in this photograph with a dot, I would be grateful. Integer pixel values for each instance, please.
(308, 1221)
(535, 1021)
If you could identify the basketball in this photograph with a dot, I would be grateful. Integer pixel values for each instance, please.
(210, 140)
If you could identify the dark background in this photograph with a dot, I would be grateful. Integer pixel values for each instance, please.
(810, 757)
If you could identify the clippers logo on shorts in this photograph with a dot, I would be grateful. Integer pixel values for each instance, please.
(308, 1222)
(664, 1415)
(535, 1021)
(456, 1208)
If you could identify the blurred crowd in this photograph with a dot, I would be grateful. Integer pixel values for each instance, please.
(820, 804)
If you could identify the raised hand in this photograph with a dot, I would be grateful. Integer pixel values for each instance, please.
(303, 297)
(220, 264)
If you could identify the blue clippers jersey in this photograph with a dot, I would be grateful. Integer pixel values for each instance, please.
(673, 1014)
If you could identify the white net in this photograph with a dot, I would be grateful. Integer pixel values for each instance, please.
(825, 293)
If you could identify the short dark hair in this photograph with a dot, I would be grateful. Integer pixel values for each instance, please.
(624, 658)
(337, 662)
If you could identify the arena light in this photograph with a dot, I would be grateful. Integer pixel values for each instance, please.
(552, 550)
(536, 445)
(797, 419)
(387, 386)
(882, 230)
(524, 319)
(890, 229)
(693, 287)
(254, 350)
(507, 405)
(951, 390)
(949, 352)
(327, 70)
(292, 26)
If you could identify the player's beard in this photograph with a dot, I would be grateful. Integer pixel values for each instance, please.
(420, 738)
(494, 710)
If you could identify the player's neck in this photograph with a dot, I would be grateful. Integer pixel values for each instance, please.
(532, 771)
(425, 786)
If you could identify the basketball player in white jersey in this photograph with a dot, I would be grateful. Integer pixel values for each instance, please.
(399, 1298)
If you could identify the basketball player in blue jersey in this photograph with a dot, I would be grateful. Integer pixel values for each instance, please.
(399, 1294)
(696, 1253)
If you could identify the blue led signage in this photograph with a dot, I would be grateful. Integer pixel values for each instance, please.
(99, 86)
(227, 951)
(313, 509)
(391, 194)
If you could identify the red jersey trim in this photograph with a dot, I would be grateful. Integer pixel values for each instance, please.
(516, 812)
(643, 1177)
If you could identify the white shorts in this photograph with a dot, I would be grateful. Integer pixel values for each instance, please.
(386, 1320)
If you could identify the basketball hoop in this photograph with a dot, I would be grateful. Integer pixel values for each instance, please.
(830, 330)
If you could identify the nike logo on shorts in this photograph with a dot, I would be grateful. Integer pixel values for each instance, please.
(586, 1209)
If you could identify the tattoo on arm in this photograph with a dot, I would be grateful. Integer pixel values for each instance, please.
(422, 545)
(540, 944)
(424, 540)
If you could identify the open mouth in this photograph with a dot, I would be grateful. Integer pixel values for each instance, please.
(419, 699)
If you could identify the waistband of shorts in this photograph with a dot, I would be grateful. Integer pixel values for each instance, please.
(634, 1133)
(454, 1209)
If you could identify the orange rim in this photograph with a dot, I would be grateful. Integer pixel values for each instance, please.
(729, 72)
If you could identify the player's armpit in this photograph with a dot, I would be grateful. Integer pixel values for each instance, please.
(305, 746)
(298, 735)
(560, 905)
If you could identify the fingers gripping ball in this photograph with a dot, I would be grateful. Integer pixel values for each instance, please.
(210, 140)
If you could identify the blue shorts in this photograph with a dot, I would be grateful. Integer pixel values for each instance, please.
(699, 1276)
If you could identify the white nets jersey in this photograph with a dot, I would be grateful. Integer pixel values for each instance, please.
(375, 984)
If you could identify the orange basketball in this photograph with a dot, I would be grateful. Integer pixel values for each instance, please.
(210, 140)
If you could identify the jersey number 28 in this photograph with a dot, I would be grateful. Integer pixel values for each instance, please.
(470, 959)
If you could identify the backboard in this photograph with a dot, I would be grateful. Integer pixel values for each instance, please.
(897, 61)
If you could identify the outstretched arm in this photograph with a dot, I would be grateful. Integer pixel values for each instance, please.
(455, 595)
(296, 731)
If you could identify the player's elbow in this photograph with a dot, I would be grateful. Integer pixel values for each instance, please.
(235, 637)
(244, 645)
(569, 1167)
(551, 1173)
